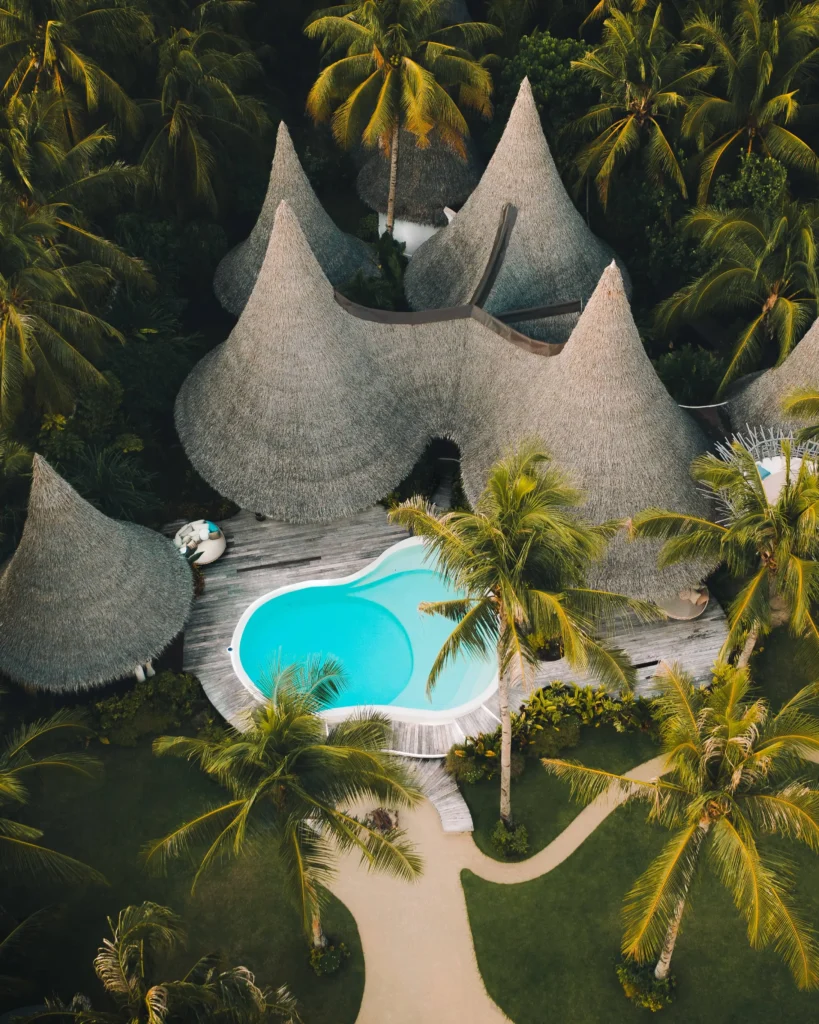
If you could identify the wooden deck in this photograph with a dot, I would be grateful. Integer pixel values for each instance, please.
(261, 557)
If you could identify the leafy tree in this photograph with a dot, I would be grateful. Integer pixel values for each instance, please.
(20, 757)
(736, 774)
(764, 62)
(520, 559)
(763, 265)
(291, 781)
(692, 375)
(645, 81)
(772, 545)
(61, 45)
(398, 66)
(760, 183)
(201, 114)
(804, 404)
(142, 938)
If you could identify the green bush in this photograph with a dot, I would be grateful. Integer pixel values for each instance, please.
(478, 758)
(163, 702)
(510, 840)
(328, 959)
(642, 988)
(551, 739)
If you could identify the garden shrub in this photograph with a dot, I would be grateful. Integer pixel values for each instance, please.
(551, 739)
(478, 758)
(642, 988)
(328, 959)
(510, 840)
(165, 701)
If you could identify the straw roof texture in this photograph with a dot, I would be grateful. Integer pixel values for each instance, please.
(428, 180)
(312, 410)
(84, 598)
(758, 400)
(339, 254)
(552, 255)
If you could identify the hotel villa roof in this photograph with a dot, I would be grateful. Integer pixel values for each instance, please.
(758, 399)
(428, 180)
(340, 254)
(85, 599)
(315, 408)
(552, 256)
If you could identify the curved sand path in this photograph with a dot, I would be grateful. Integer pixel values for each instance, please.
(419, 958)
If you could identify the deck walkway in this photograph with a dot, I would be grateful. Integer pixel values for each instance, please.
(261, 557)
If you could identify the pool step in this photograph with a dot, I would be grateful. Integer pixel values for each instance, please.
(443, 794)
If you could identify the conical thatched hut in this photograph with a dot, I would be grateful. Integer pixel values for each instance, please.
(85, 599)
(758, 400)
(428, 180)
(339, 254)
(552, 256)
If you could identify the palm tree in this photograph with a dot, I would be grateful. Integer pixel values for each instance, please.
(735, 774)
(401, 68)
(520, 559)
(58, 45)
(763, 63)
(764, 266)
(201, 115)
(210, 990)
(291, 779)
(645, 82)
(773, 545)
(804, 404)
(20, 849)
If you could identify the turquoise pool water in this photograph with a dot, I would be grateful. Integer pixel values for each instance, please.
(373, 626)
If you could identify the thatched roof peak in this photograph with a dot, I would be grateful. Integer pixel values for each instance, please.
(758, 399)
(340, 255)
(552, 256)
(84, 598)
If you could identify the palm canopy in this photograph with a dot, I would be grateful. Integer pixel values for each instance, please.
(736, 773)
(20, 757)
(763, 62)
(293, 781)
(763, 265)
(398, 65)
(142, 939)
(773, 545)
(521, 559)
(645, 80)
(804, 405)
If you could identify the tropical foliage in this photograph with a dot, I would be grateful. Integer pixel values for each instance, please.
(735, 774)
(804, 404)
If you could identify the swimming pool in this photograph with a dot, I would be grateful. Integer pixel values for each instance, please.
(370, 622)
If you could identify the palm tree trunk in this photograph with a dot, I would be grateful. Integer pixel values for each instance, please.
(393, 179)
(748, 646)
(664, 963)
(506, 748)
(319, 938)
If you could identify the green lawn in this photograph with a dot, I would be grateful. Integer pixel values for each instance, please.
(553, 943)
(240, 909)
(540, 801)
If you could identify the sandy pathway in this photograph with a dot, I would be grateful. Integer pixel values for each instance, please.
(420, 962)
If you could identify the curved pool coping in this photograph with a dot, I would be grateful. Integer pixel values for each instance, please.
(395, 712)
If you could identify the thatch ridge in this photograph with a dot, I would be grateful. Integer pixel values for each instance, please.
(552, 256)
(340, 255)
(758, 400)
(309, 412)
(84, 598)
(428, 180)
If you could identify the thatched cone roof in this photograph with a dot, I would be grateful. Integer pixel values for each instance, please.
(552, 256)
(340, 254)
(758, 400)
(613, 426)
(289, 416)
(428, 180)
(84, 598)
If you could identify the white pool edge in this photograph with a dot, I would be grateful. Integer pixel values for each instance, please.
(395, 713)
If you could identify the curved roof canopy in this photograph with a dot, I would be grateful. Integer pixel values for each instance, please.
(552, 256)
(314, 409)
(428, 180)
(84, 598)
(339, 254)
(758, 399)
